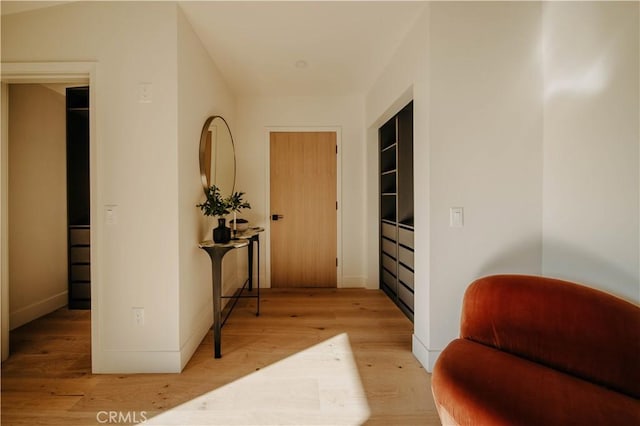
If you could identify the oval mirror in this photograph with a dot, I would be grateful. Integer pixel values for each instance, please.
(217, 155)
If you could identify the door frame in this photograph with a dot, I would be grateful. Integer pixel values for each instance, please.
(334, 129)
(51, 72)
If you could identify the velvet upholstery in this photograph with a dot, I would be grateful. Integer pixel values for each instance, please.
(540, 351)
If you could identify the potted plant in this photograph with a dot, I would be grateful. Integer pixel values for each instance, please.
(217, 206)
(235, 204)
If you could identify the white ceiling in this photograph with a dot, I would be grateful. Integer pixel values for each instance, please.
(345, 44)
(256, 44)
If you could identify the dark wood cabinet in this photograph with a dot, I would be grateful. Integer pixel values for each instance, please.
(396, 209)
(78, 198)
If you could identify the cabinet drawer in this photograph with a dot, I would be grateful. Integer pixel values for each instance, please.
(389, 247)
(80, 273)
(81, 290)
(406, 296)
(79, 236)
(389, 263)
(405, 256)
(405, 237)
(389, 280)
(389, 231)
(406, 276)
(80, 255)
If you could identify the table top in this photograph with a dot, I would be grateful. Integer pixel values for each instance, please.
(249, 233)
(241, 240)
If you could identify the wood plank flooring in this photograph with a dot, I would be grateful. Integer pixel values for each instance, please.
(47, 380)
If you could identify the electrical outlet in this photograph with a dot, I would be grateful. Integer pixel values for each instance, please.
(138, 316)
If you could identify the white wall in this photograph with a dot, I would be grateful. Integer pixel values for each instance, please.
(477, 128)
(501, 130)
(591, 141)
(201, 92)
(37, 202)
(406, 78)
(485, 133)
(134, 262)
(258, 114)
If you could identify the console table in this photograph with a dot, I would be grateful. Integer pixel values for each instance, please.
(216, 252)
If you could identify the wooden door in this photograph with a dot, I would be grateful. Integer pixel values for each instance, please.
(303, 209)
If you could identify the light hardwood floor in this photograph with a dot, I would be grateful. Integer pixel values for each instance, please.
(47, 380)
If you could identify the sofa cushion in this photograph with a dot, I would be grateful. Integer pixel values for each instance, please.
(479, 385)
(572, 328)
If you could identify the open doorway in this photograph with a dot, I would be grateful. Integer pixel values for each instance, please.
(42, 73)
(48, 198)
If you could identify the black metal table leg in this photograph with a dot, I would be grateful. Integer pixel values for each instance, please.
(256, 240)
(258, 301)
(250, 260)
(216, 252)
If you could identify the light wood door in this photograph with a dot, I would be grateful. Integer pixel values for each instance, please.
(303, 194)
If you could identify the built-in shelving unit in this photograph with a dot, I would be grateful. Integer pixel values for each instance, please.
(396, 209)
(78, 196)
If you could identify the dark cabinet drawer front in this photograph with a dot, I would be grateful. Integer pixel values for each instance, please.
(80, 255)
(389, 263)
(406, 296)
(79, 236)
(389, 247)
(405, 237)
(389, 231)
(406, 276)
(389, 279)
(405, 256)
(81, 290)
(80, 273)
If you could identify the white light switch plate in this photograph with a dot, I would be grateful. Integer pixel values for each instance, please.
(456, 217)
(145, 93)
(110, 214)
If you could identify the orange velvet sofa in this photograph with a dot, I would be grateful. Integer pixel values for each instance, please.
(540, 351)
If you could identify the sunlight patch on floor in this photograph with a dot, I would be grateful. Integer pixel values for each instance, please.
(317, 386)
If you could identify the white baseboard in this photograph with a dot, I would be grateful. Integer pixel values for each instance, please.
(353, 282)
(124, 362)
(36, 310)
(203, 325)
(130, 362)
(425, 356)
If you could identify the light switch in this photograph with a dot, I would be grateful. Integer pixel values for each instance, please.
(110, 216)
(145, 93)
(456, 217)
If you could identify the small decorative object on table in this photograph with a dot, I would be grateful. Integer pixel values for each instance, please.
(241, 225)
(235, 204)
(222, 234)
(216, 205)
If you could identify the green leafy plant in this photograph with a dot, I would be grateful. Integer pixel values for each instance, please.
(214, 205)
(236, 203)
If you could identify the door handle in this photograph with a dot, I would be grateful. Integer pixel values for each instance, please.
(277, 217)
